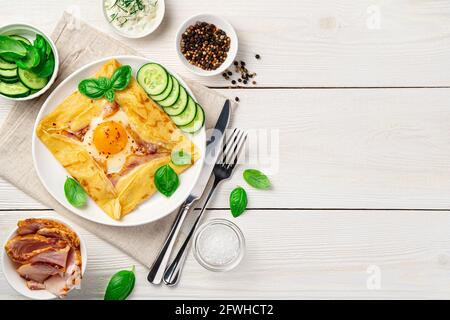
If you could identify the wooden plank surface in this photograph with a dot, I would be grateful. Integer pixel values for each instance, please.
(338, 148)
(302, 43)
(298, 254)
(352, 148)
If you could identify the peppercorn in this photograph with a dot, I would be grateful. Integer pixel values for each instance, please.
(235, 63)
(233, 82)
(237, 99)
(229, 73)
(242, 63)
(245, 81)
(257, 56)
(240, 80)
(205, 46)
(254, 82)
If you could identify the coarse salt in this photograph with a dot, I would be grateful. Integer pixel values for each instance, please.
(218, 245)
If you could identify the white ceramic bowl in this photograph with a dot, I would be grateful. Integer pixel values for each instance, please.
(29, 31)
(221, 24)
(18, 283)
(158, 19)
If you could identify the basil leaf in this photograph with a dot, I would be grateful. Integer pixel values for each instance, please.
(15, 47)
(238, 201)
(31, 59)
(121, 78)
(91, 88)
(109, 95)
(166, 180)
(120, 285)
(48, 67)
(256, 179)
(181, 157)
(104, 83)
(75, 193)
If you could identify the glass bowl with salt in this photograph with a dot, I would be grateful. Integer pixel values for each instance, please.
(219, 245)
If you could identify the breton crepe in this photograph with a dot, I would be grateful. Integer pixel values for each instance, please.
(117, 194)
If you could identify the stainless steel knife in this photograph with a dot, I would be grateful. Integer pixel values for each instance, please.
(213, 149)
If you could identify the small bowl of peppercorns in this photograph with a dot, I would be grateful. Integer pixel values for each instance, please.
(206, 44)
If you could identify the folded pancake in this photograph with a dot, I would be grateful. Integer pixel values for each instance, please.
(150, 129)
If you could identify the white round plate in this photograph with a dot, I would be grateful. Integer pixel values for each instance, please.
(18, 283)
(53, 175)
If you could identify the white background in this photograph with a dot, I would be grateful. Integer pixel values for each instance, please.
(360, 94)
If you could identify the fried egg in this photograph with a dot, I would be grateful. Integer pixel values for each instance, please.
(108, 140)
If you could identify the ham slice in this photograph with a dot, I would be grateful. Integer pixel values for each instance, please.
(54, 257)
(61, 284)
(37, 272)
(22, 248)
(131, 163)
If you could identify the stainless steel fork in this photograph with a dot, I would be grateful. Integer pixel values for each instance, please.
(222, 171)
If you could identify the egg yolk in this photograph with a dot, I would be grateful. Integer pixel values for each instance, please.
(110, 137)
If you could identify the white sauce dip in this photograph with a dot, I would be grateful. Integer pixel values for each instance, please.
(132, 17)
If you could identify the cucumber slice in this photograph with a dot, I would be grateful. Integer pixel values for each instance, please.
(173, 96)
(197, 123)
(179, 106)
(32, 80)
(187, 115)
(153, 78)
(14, 90)
(165, 93)
(20, 38)
(10, 80)
(12, 73)
(10, 57)
(5, 65)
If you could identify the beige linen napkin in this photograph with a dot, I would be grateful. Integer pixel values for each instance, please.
(79, 44)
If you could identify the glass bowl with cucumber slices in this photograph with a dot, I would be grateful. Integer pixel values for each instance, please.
(28, 62)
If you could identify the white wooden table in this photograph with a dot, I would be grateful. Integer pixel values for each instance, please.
(359, 92)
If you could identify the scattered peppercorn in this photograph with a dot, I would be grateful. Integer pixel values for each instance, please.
(254, 82)
(237, 99)
(205, 46)
(235, 63)
(245, 81)
(240, 80)
(257, 56)
(242, 63)
(229, 73)
(233, 81)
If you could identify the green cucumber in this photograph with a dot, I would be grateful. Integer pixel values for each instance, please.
(32, 80)
(5, 65)
(179, 106)
(173, 96)
(153, 78)
(12, 73)
(197, 123)
(14, 90)
(20, 38)
(165, 93)
(9, 80)
(187, 115)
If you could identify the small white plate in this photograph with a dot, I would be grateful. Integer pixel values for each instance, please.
(19, 284)
(29, 32)
(221, 24)
(53, 175)
(156, 22)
